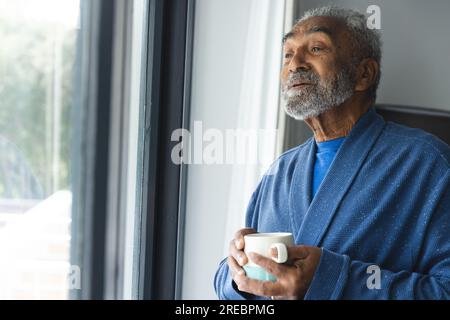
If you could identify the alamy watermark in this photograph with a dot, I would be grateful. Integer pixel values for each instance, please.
(74, 278)
(374, 19)
(214, 146)
(374, 280)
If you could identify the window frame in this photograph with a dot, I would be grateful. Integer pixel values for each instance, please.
(100, 147)
(100, 138)
(167, 109)
(91, 146)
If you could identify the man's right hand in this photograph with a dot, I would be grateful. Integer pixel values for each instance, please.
(237, 258)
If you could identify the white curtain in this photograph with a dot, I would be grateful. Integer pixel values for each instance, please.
(259, 103)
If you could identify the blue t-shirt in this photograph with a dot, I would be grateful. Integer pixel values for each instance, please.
(325, 153)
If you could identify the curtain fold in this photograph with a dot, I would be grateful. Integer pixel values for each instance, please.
(259, 104)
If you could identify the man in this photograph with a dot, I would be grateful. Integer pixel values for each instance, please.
(368, 202)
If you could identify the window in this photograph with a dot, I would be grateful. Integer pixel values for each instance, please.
(91, 203)
(37, 63)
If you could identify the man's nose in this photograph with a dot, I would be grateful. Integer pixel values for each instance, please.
(298, 63)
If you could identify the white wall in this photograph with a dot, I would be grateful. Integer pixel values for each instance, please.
(219, 47)
(416, 55)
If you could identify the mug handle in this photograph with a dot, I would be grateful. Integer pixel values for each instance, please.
(282, 252)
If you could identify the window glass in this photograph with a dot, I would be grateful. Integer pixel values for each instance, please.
(37, 59)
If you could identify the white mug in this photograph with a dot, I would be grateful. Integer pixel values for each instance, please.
(261, 243)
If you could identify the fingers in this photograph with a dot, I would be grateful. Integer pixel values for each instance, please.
(294, 253)
(298, 252)
(234, 267)
(259, 288)
(239, 237)
(268, 264)
(238, 255)
(237, 246)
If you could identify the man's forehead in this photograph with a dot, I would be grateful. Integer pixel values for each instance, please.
(328, 25)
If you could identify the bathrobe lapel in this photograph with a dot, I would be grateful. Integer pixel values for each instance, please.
(310, 219)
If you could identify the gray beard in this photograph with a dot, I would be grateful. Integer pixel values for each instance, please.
(314, 100)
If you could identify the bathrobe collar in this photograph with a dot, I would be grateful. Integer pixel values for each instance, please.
(310, 218)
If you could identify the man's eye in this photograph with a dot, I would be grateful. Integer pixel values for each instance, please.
(288, 55)
(316, 49)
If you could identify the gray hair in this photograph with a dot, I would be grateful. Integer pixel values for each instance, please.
(367, 42)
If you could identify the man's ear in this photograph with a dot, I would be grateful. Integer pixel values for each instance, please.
(366, 74)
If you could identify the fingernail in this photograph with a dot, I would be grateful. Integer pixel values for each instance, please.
(240, 272)
(274, 252)
(237, 243)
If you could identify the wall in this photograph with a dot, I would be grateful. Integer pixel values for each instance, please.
(416, 52)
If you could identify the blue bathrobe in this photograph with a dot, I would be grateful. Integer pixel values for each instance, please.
(384, 202)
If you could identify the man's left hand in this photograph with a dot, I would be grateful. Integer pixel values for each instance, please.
(293, 277)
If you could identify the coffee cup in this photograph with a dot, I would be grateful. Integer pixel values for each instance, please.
(262, 243)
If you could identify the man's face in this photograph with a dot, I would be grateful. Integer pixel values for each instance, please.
(317, 72)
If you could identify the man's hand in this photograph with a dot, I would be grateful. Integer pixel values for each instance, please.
(237, 258)
(293, 278)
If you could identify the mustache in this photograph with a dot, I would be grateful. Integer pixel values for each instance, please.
(302, 76)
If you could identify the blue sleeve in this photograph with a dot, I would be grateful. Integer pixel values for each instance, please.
(338, 277)
(224, 285)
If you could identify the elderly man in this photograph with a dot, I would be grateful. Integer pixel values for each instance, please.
(362, 196)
